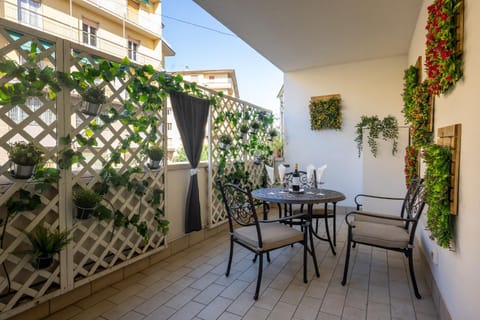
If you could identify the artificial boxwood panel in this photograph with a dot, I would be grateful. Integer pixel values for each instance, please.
(325, 112)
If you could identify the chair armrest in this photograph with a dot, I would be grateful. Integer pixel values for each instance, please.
(359, 205)
(377, 216)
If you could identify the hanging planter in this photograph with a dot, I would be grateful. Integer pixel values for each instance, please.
(254, 127)
(243, 130)
(93, 99)
(155, 154)
(225, 142)
(272, 134)
(387, 128)
(24, 157)
(86, 202)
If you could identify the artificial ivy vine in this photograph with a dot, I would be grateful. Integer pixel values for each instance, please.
(386, 128)
(437, 188)
(245, 142)
(148, 89)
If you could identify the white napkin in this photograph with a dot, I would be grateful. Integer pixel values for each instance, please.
(320, 171)
(271, 175)
(310, 170)
(281, 172)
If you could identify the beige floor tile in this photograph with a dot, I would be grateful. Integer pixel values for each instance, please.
(229, 316)
(182, 298)
(189, 311)
(256, 313)
(268, 299)
(282, 311)
(210, 293)
(94, 311)
(378, 311)
(192, 285)
(308, 308)
(215, 308)
(327, 316)
(123, 308)
(241, 304)
(350, 313)
(132, 315)
(293, 294)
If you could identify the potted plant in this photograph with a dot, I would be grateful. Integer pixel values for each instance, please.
(272, 133)
(254, 127)
(24, 156)
(45, 244)
(225, 141)
(86, 201)
(257, 157)
(93, 97)
(278, 147)
(155, 154)
(243, 130)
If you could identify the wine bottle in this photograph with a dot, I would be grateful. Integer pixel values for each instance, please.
(296, 179)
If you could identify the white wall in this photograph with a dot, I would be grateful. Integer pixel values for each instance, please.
(366, 88)
(178, 176)
(456, 273)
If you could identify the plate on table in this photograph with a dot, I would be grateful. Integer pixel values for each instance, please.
(296, 192)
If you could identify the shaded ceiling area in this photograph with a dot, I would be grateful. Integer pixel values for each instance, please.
(301, 34)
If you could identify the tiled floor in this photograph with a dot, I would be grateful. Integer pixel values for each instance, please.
(192, 285)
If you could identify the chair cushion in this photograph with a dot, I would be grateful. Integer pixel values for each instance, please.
(359, 217)
(274, 235)
(383, 235)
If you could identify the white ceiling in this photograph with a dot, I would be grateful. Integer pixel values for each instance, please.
(300, 34)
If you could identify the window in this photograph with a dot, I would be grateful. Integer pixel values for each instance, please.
(169, 110)
(169, 126)
(29, 12)
(133, 49)
(211, 77)
(33, 103)
(89, 32)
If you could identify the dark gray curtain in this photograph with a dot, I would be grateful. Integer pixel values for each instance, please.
(191, 114)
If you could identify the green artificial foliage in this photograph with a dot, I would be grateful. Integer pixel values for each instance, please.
(420, 116)
(443, 57)
(387, 129)
(325, 114)
(437, 187)
(45, 243)
(86, 198)
(410, 83)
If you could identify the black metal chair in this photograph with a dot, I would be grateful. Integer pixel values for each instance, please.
(317, 212)
(390, 232)
(258, 236)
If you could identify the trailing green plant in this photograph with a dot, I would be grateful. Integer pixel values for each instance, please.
(325, 114)
(29, 81)
(387, 129)
(437, 188)
(410, 83)
(27, 154)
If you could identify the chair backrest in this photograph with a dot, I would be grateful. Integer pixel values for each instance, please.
(304, 182)
(415, 208)
(239, 205)
(410, 197)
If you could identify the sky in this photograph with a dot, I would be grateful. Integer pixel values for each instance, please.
(258, 80)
